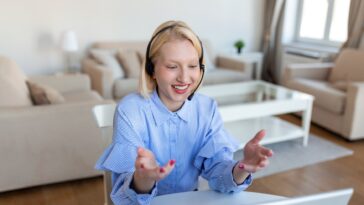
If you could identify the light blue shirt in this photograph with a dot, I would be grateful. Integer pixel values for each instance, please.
(193, 136)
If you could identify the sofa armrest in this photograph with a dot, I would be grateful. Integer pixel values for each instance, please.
(354, 111)
(102, 79)
(235, 64)
(54, 142)
(317, 71)
(65, 82)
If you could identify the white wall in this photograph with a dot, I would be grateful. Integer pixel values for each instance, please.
(30, 30)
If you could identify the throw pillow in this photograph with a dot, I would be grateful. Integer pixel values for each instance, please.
(340, 85)
(13, 90)
(108, 59)
(348, 66)
(43, 95)
(141, 56)
(130, 62)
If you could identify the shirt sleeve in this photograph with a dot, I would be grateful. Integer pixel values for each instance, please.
(119, 159)
(215, 158)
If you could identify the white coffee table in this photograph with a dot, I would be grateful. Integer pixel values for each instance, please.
(251, 106)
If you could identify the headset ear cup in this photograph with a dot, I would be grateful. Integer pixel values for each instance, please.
(202, 67)
(150, 68)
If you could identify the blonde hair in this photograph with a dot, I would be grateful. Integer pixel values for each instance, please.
(177, 30)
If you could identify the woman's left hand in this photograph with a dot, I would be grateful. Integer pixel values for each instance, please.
(255, 158)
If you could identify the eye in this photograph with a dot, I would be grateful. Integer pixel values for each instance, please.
(193, 66)
(171, 66)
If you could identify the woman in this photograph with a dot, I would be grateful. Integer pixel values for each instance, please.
(165, 137)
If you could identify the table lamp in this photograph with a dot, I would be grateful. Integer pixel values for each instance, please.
(69, 46)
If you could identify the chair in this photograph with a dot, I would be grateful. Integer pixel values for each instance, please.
(104, 116)
(337, 197)
(338, 89)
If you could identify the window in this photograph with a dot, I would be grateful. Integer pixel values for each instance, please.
(322, 21)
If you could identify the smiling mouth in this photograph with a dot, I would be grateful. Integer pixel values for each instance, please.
(180, 87)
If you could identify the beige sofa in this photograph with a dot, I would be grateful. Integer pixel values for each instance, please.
(102, 62)
(338, 89)
(46, 143)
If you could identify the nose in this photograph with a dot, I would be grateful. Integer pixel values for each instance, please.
(183, 75)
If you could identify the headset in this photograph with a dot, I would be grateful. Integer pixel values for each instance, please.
(149, 67)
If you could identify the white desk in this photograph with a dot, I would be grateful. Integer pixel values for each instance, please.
(214, 198)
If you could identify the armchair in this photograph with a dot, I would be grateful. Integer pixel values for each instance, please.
(46, 143)
(338, 89)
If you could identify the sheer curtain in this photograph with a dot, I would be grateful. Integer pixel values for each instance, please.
(355, 24)
(272, 35)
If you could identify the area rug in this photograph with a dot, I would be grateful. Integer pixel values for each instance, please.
(292, 155)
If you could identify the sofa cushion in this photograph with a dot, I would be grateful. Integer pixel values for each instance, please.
(348, 66)
(13, 90)
(141, 57)
(81, 96)
(130, 61)
(44, 95)
(107, 57)
(220, 75)
(326, 97)
(125, 86)
(209, 64)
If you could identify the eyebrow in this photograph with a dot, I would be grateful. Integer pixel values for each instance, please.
(177, 61)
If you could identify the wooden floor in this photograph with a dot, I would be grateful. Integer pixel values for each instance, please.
(340, 173)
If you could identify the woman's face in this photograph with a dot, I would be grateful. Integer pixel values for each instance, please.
(177, 72)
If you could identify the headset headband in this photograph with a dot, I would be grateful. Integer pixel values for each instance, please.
(149, 67)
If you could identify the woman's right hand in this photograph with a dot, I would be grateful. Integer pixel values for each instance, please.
(147, 171)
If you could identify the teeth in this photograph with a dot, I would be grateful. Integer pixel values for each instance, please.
(180, 87)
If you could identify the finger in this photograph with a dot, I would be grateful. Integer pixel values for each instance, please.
(166, 169)
(158, 173)
(263, 163)
(262, 157)
(142, 164)
(258, 137)
(266, 152)
(151, 174)
(263, 152)
(146, 163)
(247, 168)
(142, 152)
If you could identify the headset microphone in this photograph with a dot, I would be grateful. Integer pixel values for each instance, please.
(202, 67)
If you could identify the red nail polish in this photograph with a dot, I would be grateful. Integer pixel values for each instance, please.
(142, 166)
(241, 165)
(172, 162)
(161, 170)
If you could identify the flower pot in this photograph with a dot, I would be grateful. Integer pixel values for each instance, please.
(239, 50)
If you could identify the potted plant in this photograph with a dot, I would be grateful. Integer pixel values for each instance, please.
(239, 45)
